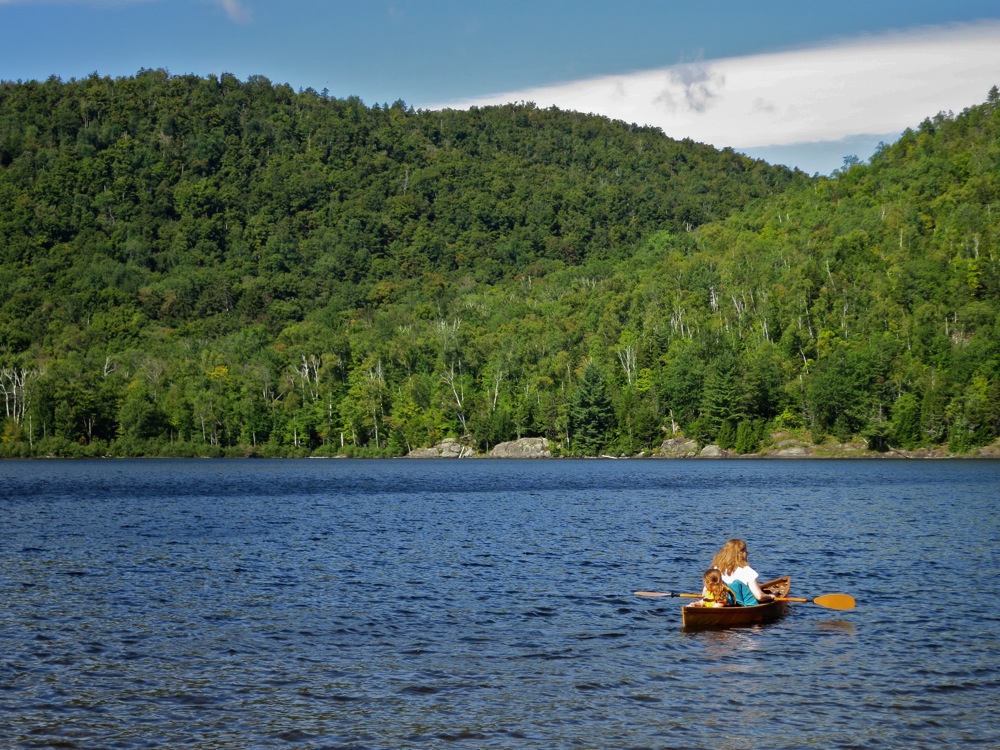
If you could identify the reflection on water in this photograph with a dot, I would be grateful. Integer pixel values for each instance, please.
(836, 626)
(390, 604)
(722, 644)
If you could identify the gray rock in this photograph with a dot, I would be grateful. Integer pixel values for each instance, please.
(792, 451)
(447, 448)
(679, 448)
(790, 443)
(451, 448)
(424, 453)
(523, 448)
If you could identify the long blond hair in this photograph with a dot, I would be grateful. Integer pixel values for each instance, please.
(733, 555)
(714, 585)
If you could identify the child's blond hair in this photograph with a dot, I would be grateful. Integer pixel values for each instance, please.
(714, 586)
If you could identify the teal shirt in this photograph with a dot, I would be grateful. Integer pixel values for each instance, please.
(743, 594)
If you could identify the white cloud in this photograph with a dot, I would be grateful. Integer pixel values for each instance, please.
(876, 84)
(235, 10)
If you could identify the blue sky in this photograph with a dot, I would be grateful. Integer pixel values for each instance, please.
(795, 82)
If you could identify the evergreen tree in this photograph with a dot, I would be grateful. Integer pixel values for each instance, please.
(748, 436)
(591, 413)
(720, 405)
(905, 429)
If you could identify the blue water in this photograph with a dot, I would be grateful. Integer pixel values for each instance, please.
(487, 604)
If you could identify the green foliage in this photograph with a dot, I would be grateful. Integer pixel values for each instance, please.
(591, 413)
(905, 427)
(749, 434)
(204, 266)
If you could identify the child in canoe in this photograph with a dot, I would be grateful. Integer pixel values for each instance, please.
(715, 593)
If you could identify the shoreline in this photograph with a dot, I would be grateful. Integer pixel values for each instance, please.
(785, 449)
(987, 453)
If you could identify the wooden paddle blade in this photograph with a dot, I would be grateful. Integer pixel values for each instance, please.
(664, 593)
(835, 601)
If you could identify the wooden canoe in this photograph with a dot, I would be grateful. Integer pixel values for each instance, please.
(734, 617)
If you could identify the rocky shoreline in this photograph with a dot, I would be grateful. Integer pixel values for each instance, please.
(453, 448)
(782, 446)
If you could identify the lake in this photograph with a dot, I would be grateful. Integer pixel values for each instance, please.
(488, 604)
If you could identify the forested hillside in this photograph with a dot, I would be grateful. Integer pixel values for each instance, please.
(203, 266)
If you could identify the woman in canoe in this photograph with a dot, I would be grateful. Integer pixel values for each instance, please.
(737, 574)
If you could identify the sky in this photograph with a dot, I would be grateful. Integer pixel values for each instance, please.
(794, 82)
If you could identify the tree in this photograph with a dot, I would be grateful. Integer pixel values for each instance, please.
(591, 413)
(414, 420)
(637, 416)
(836, 395)
(682, 378)
(363, 409)
(140, 416)
(15, 388)
(748, 436)
(719, 401)
(905, 424)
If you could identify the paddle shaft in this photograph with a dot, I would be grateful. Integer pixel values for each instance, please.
(830, 601)
(665, 593)
(698, 596)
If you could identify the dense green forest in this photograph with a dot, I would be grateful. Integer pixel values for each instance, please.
(205, 266)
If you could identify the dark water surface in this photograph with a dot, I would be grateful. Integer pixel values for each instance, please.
(487, 604)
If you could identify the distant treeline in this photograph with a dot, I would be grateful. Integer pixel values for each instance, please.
(204, 266)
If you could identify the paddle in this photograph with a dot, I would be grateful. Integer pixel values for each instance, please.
(830, 601)
(660, 593)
